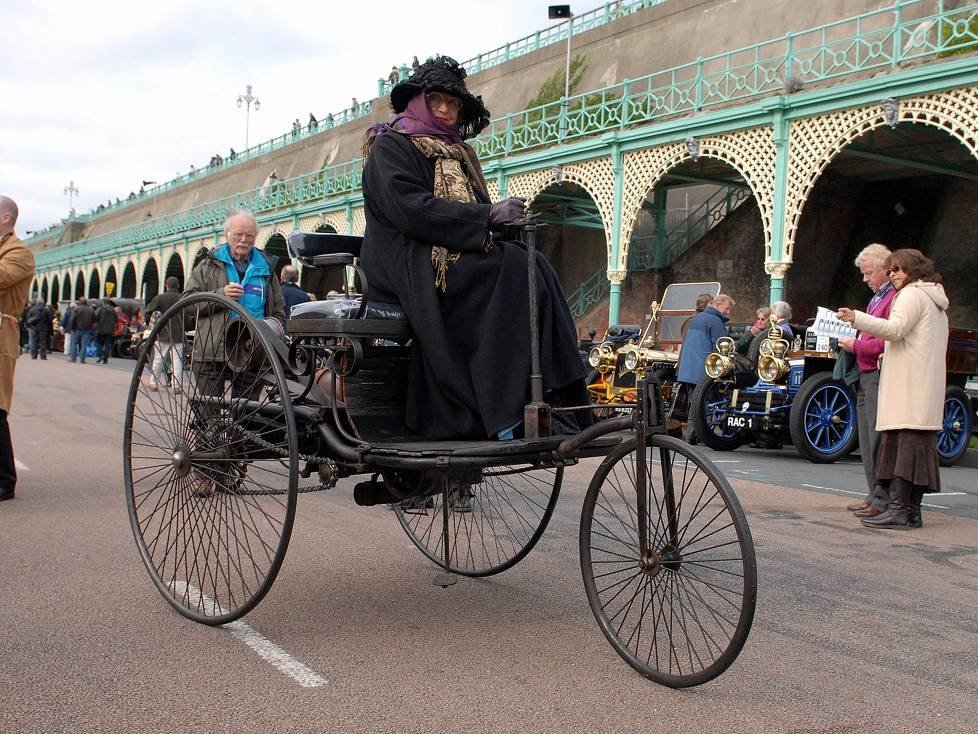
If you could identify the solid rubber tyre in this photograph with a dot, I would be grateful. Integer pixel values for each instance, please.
(683, 620)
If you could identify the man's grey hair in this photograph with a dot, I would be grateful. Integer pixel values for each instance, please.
(9, 206)
(235, 212)
(874, 254)
(722, 298)
(290, 274)
(781, 309)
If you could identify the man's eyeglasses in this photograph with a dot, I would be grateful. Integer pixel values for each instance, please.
(894, 269)
(437, 99)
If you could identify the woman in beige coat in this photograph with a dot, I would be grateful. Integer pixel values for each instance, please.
(912, 379)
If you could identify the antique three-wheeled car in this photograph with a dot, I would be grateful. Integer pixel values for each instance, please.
(215, 464)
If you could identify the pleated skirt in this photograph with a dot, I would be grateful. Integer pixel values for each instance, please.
(910, 455)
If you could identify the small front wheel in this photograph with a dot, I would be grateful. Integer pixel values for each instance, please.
(823, 419)
(707, 411)
(681, 614)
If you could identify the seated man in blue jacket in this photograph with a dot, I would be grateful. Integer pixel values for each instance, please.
(701, 338)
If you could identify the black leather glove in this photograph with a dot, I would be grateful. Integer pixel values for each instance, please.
(507, 210)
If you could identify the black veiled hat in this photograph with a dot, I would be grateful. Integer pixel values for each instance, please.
(443, 74)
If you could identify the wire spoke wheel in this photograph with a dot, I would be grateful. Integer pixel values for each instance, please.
(494, 518)
(680, 615)
(210, 458)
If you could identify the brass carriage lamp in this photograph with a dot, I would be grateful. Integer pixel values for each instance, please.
(773, 365)
(721, 362)
(602, 358)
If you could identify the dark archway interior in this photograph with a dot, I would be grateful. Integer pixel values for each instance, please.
(79, 285)
(174, 268)
(111, 282)
(912, 185)
(151, 280)
(55, 291)
(129, 285)
(277, 247)
(66, 288)
(44, 290)
(94, 285)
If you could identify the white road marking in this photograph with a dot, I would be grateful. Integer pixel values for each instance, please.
(832, 489)
(266, 649)
(940, 507)
(21, 465)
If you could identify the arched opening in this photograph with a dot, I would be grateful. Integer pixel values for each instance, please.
(66, 288)
(44, 290)
(55, 291)
(79, 285)
(151, 280)
(912, 185)
(128, 289)
(94, 284)
(111, 282)
(575, 243)
(277, 247)
(700, 222)
(315, 280)
(174, 268)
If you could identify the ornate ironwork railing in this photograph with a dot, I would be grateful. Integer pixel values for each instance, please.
(907, 31)
(593, 290)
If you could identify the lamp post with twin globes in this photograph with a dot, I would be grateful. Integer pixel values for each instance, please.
(246, 99)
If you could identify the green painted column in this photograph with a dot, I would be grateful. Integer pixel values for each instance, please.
(616, 268)
(776, 267)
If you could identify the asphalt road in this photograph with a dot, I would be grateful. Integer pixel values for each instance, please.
(856, 630)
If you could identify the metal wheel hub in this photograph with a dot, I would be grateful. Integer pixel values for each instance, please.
(181, 460)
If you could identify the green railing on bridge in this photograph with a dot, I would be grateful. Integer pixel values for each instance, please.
(905, 31)
(333, 181)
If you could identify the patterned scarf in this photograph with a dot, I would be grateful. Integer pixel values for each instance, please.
(457, 174)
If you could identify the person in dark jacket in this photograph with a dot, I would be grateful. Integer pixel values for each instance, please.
(105, 321)
(169, 340)
(291, 292)
(429, 246)
(38, 320)
(82, 321)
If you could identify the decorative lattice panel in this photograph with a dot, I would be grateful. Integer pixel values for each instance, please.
(493, 187)
(751, 152)
(359, 221)
(815, 141)
(594, 176)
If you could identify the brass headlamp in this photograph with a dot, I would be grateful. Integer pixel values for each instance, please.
(638, 359)
(773, 365)
(721, 362)
(602, 358)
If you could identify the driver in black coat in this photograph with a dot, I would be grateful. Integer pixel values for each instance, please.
(430, 246)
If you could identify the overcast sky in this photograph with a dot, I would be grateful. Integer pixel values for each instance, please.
(108, 93)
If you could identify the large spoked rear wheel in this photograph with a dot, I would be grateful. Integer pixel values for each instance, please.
(210, 459)
(681, 615)
(495, 517)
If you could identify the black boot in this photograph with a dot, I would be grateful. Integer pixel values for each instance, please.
(896, 514)
(914, 517)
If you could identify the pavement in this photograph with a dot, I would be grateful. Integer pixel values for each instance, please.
(855, 631)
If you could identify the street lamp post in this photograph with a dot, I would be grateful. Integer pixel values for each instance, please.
(70, 192)
(247, 98)
(561, 12)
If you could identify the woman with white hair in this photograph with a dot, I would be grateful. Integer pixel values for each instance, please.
(782, 310)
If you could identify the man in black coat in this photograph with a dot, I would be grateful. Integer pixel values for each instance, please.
(38, 320)
(82, 322)
(105, 321)
(169, 341)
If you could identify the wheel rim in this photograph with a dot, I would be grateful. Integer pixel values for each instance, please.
(210, 472)
(681, 615)
(953, 435)
(715, 411)
(492, 524)
(829, 419)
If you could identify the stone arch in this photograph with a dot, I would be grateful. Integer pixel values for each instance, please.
(55, 292)
(44, 289)
(66, 291)
(814, 142)
(94, 284)
(594, 176)
(174, 268)
(149, 285)
(265, 234)
(79, 285)
(750, 152)
(111, 276)
(129, 287)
